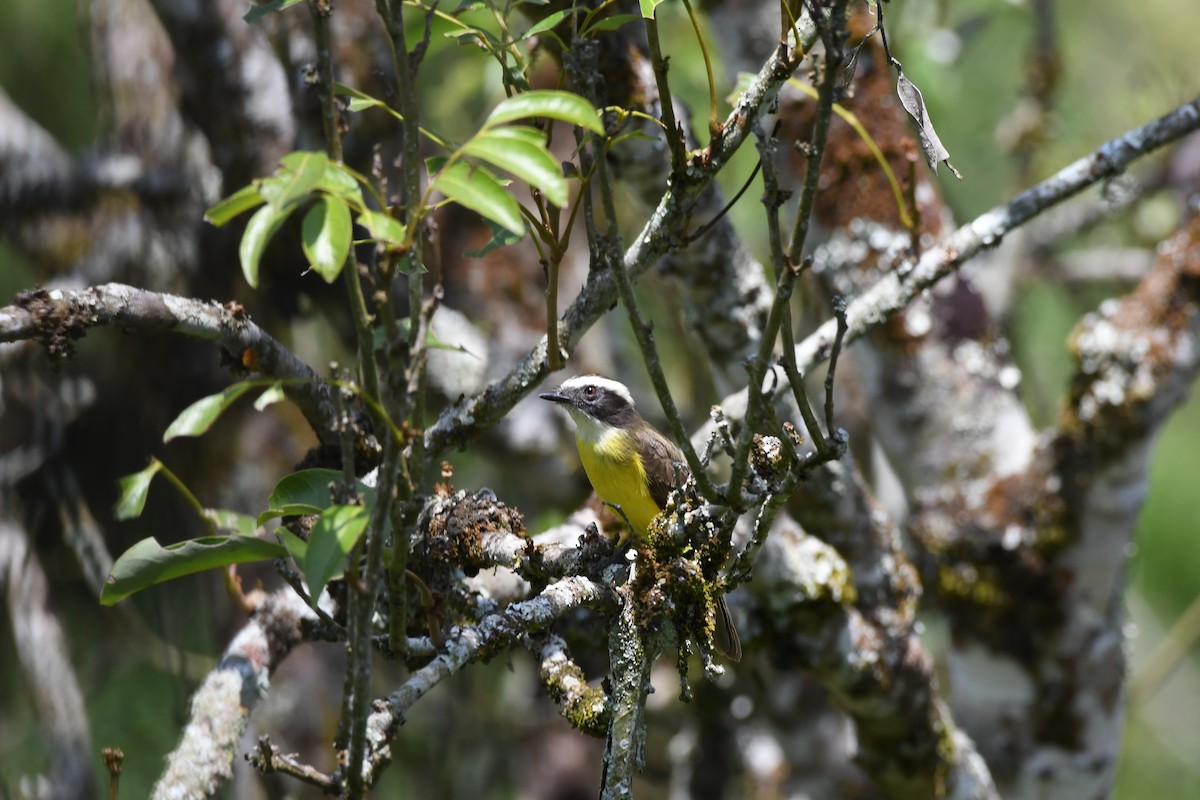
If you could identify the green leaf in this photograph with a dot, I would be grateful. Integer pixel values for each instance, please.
(410, 265)
(262, 226)
(610, 23)
(333, 537)
(260, 11)
(134, 489)
(296, 180)
(522, 151)
(242, 200)
(325, 237)
(550, 103)
(648, 7)
(148, 563)
(338, 181)
(359, 100)
(297, 548)
(197, 418)
(501, 237)
(308, 491)
(549, 22)
(232, 521)
(483, 39)
(480, 192)
(432, 340)
(274, 394)
(305, 487)
(290, 510)
(382, 228)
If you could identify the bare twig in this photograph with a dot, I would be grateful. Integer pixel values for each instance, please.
(833, 33)
(773, 199)
(839, 313)
(665, 102)
(267, 759)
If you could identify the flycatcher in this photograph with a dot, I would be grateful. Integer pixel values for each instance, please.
(630, 464)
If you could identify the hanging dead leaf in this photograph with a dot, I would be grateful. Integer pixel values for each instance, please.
(914, 104)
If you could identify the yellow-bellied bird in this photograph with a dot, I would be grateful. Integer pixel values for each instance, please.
(630, 464)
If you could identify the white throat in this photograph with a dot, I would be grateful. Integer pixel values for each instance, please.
(589, 429)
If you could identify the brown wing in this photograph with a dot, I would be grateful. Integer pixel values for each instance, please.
(663, 462)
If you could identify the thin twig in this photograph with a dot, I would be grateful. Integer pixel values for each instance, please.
(773, 199)
(833, 33)
(322, 34)
(267, 759)
(363, 594)
(839, 312)
(708, 226)
(665, 103)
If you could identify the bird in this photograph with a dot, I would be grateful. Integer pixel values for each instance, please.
(630, 464)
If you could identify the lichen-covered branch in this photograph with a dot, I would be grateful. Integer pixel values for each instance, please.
(585, 707)
(220, 708)
(470, 644)
(1032, 564)
(877, 672)
(57, 317)
(630, 657)
(896, 290)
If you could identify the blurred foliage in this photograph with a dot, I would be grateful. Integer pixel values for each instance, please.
(1122, 63)
(44, 68)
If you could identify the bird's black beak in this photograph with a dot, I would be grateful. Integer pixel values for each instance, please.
(555, 397)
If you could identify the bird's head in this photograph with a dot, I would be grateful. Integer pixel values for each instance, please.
(596, 404)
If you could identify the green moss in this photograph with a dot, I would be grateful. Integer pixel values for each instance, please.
(678, 568)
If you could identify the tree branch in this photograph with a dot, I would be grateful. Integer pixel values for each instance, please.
(894, 292)
(221, 706)
(56, 317)
(470, 644)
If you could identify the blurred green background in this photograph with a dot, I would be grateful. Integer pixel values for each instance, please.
(1122, 63)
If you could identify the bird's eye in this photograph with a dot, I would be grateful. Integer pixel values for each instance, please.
(589, 391)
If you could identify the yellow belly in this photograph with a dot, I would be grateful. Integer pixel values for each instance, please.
(618, 477)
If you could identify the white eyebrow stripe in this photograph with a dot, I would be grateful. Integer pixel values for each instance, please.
(616, 387)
